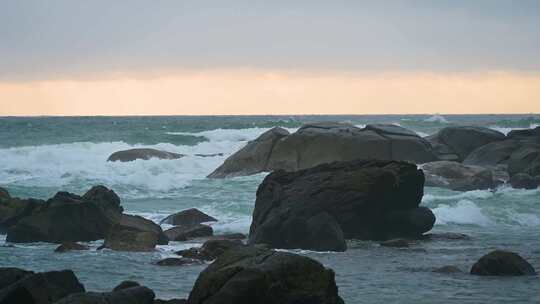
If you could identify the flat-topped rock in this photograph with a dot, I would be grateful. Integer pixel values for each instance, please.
(326, 142)
(142, 153)
(188, 217)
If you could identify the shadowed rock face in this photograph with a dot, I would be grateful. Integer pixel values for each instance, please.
(502, 263)
(325, 142)
(456, 143)
(319, 207)
(144, 154)
(182, 233)
(256, 275)
(188, 217)
(41, 288)
(133, 295)
(68, 217)
(459, 177)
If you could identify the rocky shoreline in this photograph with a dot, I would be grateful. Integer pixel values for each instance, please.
(318, 197)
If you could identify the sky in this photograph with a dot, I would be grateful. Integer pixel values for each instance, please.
(176, 57)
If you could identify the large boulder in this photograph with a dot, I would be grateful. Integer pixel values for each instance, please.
(493, 154)
(10, 275)
(106, 199)
(531, 135)
(253, 158)
(122, 238)
(318, 208)
(502, 263)
(456, 176)
(133, 295)
(257, 275)
(140, 224)
(326, 142)
(457, 142)
(525, 160)
(188, 217)
(41, 288)
(65, 217)
(142, 153)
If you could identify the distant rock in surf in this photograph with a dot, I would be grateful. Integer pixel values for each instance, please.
(320, 207)
(457, 142)
(251, 274)
(188, 217)
(456, 176)
(183, 233)
(142, 153)
(502, 263)
(210, 250)
(178, 262)
(70, 246)
(325, 142)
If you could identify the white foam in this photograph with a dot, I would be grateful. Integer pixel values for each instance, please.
(475, 194)
(464, 212)
(436, 118)
(230, 135)
(506, 130)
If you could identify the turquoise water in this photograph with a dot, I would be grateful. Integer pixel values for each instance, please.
(40, 156)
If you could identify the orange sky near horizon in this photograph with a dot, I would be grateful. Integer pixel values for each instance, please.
(245, 92)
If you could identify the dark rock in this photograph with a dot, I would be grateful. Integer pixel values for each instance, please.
(448, 269)
(64, 218)
(210, 250)
(41, 288)
(188, 217)
(126, 285)
(182, 233)
(10, 275)
(326, 142)
(133, 295)
(12, 210)
(446, 236)
(106, 199)
(456, 176)
(209, 155)
(493, 154)
(122, 238)
(456, 143)
(140, 224)
(369, 200)
(145, 154)
(526, 160)
(253, 158)
(502, 263)
(532, 135)
(257, 275)
(68, 246)
(172, 301)
(4, 194)
(524, 181)
(397, 243)
(178, 262)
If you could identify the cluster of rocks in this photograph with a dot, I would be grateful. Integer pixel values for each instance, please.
(457, 157)
(240, 274)
(68, 218)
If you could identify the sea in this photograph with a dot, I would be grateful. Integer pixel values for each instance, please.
(42, 155)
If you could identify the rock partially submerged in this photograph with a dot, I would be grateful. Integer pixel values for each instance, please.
(188, 217)
(502, 263)
(178, 262)
(144, 154)
(457, 142)
(258, 275)
(182, 233)
(66, 217)
(140, 224)
(325, 142)
(70, 246)
(39, 288)
(456, 176)
(320, 207)
(210, 250)
(13, 209)
(450, 269)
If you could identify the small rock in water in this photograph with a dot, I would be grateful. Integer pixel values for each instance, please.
(450, 236)
(68, 246)
(397, 243)
(502, 263)
(448, 269)
(188, 217)
(177, 262)
(144, 154)
(125, 285)
(182, 233)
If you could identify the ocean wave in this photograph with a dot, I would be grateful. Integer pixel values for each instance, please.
(464, 212)
(506, 130)
(229, 135)
(437, 118)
